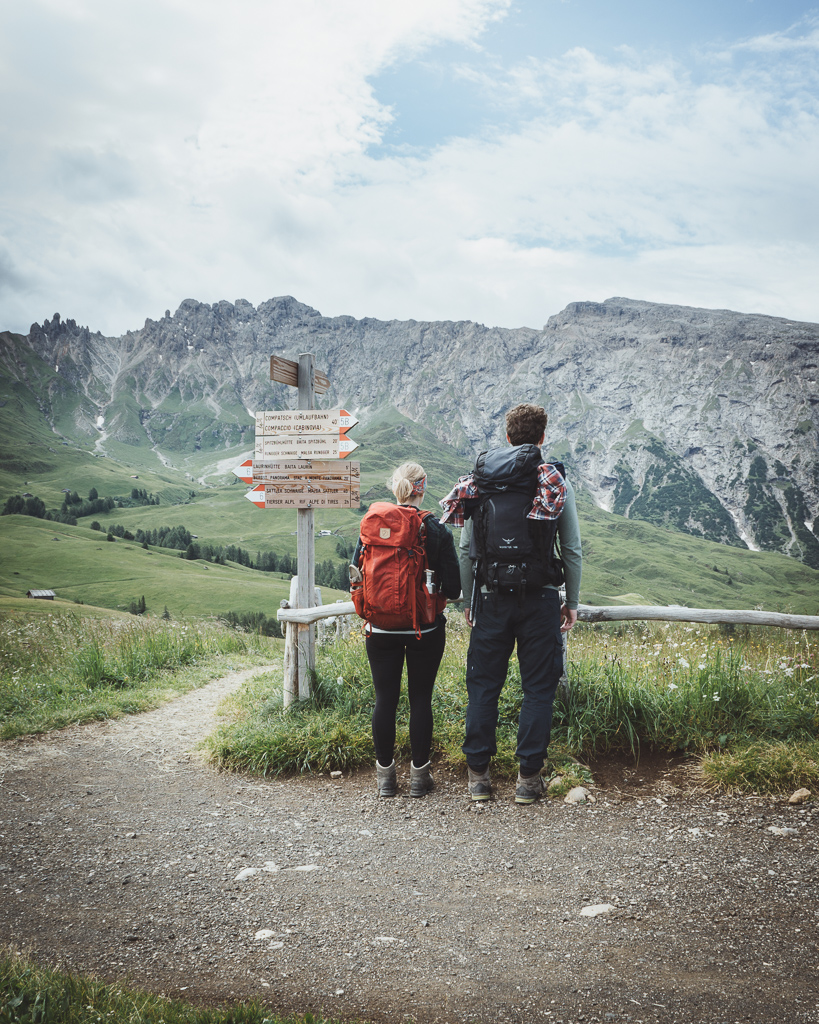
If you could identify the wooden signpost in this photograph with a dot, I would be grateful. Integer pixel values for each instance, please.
(298, 464)
(304, 434)
(306, 483)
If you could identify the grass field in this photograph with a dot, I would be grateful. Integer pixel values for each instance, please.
(62, 666)
(31, 994)
(81, 566)
(625, 562)
(745, 703)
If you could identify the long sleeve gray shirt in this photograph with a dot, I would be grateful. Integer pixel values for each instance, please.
(568, 532)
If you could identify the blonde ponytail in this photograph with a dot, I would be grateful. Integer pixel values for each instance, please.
(406, 481)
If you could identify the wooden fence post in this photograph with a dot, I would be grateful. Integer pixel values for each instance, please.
(290, 677)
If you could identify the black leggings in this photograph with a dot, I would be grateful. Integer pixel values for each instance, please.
(386, 652)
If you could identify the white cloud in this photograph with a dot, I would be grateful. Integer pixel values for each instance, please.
(629, 179)
(802, 37)
(167, 149)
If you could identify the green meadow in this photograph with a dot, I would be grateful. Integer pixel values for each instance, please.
(81, 566)
(625, 561)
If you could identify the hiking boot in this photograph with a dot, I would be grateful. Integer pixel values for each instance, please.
(385, 779)
(479, 786)
(529, 788)
(421, 780)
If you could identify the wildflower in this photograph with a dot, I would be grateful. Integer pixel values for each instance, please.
(716, 696)
(673, 686)
(683, 663)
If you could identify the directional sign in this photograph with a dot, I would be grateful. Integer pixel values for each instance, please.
(286, 371)
(308, 446)
(335, 494)
(259, 471)
(304, 421)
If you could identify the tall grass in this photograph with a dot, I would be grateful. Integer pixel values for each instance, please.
(688, 688)
(64, 668)
(665, 687)
(30, 994)
(764, 767)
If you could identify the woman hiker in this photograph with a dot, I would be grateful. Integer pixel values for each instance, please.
(421, 644)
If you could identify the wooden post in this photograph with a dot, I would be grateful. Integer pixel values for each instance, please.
(290, 683)
(305, 542)
(563, 684)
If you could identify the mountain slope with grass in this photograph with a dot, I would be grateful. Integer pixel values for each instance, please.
(86, 423)
(625, 562)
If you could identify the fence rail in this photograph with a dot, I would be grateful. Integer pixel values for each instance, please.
(609, 613)
(676, 613)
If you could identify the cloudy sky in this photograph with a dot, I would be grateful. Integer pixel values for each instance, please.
(488, 160)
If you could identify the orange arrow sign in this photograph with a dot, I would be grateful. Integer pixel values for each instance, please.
(308, 446)
(290, 495)
(304, 421)
(259, 471)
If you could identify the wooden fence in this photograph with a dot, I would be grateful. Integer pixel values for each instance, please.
(299, 621)
(609, 613)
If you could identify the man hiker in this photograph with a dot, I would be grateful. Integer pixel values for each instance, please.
(518, 511)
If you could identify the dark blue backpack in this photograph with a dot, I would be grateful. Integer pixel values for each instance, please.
(512, 554)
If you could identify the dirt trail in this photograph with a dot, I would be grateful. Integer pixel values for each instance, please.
(121, 852)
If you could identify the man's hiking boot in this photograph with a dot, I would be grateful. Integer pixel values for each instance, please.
(385, 779)
(529, 788)
(480, 788)
(421, 780)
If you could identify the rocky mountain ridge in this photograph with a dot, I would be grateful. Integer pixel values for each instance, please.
(703, 420)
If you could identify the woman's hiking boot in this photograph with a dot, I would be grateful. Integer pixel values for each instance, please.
(479, 786)
(421, 780)
(385, 779)
(529, 788)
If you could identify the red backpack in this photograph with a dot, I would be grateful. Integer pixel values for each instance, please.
(392, 593)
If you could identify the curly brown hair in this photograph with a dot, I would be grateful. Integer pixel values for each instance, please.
(526, 423)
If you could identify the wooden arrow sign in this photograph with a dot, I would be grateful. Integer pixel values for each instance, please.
(330, 494)
(260, 471)
(286, 371)
(304, 421)
(308, 446)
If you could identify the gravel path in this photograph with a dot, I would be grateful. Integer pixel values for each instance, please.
(121, 851)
